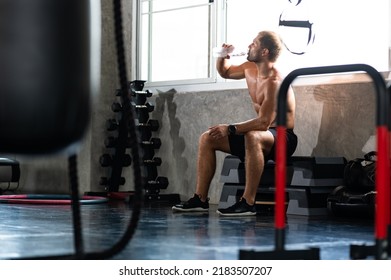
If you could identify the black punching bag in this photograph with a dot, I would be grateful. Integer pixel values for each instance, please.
(46, 78)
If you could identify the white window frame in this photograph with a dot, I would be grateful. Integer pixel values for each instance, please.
(214, 26)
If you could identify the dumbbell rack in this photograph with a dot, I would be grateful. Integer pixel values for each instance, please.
(148, 143)
(117, 142)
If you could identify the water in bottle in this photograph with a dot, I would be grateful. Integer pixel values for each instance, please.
(231, 51)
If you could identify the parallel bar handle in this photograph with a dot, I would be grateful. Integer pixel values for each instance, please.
(382, 125)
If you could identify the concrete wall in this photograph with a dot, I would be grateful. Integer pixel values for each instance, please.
(334, 118)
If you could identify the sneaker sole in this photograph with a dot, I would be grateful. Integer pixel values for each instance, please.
(176, 209)
(243, 214)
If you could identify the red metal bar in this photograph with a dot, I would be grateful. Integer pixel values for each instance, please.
(383, 178)
(388, 189)
(280, 177)
(382, 215)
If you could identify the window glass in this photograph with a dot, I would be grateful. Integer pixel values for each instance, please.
(177, 36)
(175, 40)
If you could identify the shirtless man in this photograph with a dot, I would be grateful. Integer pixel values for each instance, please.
(252, 140)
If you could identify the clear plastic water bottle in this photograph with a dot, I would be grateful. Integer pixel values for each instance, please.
(223, 52)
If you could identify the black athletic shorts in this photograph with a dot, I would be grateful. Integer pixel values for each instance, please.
(237, 146)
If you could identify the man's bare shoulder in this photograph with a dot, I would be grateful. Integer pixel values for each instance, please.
(248, 65)
(250, 70)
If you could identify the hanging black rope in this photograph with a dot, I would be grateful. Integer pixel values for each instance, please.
(76, 213)
(126, 131)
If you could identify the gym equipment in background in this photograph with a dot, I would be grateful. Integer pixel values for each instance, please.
(309, 182)
(9, 173)
(117, 143)
(345, 202)
(49, 199)
(381, 248)
(149, 144)
(356, 196)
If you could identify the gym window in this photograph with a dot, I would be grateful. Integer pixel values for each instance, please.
(175, 37)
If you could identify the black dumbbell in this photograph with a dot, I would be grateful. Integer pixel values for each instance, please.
(137, 84)
(116, 107)
(156, 161)
(149, 107)
(144, 93)
(154, 143)
(112, 124)
(126, 160)
(153, 125)
(107, 160)
(159, 183)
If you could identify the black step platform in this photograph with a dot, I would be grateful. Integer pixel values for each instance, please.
(9, 170)
(309, 181)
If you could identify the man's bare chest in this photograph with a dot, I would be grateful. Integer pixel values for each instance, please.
(257, 91)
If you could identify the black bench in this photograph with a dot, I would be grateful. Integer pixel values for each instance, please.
(9, 170)
(309, 181)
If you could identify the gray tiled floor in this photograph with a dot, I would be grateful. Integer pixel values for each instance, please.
(35, 230)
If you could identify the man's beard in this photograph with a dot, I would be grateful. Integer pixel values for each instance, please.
(253, 58)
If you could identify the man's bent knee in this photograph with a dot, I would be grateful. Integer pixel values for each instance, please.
(259, 139)
(206, 140)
